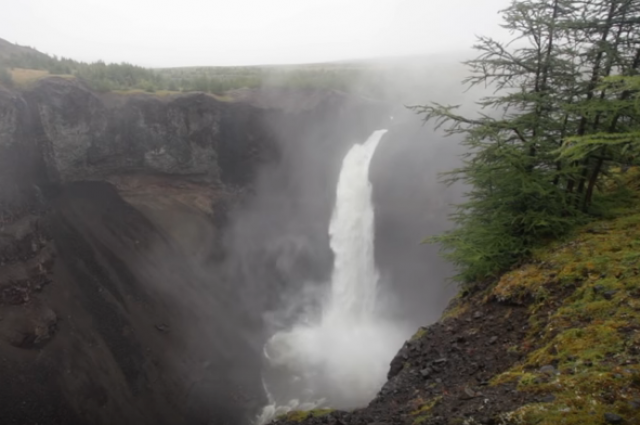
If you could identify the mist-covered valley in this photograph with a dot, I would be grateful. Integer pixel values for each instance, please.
(172, 235)
(320, 213)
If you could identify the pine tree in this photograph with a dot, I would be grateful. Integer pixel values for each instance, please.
(552, 128)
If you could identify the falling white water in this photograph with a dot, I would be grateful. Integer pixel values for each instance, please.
(342, 358)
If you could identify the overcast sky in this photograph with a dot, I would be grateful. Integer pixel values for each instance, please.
(161, 33)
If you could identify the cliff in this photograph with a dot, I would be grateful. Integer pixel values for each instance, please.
(119, 302)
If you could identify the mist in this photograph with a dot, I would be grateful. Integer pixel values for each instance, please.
(215, 217)
(246, 32)
(277, 244)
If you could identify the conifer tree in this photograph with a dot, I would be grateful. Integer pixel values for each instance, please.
(541, 142)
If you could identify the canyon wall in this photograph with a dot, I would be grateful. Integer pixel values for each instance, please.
(126, 293)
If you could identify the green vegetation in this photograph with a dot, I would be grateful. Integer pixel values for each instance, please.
(419, 334)
(301, 415)
(125, 77)
(586, 326)
(221, 79)
(564, 114)
(423, 409)
(100, 76)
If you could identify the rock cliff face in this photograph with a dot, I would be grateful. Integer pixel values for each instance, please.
(117, 301)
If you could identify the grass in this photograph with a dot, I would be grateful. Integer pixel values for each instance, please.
(165, 93)
(25, 78)
(159, 93)
(423, 409)
(419, 334)
(457, 307)
(301, 415)
(584, 299)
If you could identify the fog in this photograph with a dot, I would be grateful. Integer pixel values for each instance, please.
(278, 248)
(271, 268)
(167, 33)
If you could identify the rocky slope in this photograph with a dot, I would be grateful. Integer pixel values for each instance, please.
(554, 341)
(118, 303)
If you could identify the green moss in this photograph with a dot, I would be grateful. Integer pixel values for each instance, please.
(301, 415)
(457, 308)
(420, 419)
(590, 334)
(423, 409)
(421, 332)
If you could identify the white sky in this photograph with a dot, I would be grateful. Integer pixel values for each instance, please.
(240, 32)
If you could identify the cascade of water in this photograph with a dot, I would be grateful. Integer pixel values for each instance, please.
(344, 357)
(354, 280)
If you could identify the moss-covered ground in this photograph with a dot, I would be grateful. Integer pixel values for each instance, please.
(583, 347)
(301, 415)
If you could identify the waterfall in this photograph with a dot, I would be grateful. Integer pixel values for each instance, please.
(354, 280)
(341, 359)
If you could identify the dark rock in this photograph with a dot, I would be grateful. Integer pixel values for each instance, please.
(28, 326)
(477, 315)
(634, 404)
(612, 418)
(468, 394)
(425, 372)
(549, 398)
(162, 328)
(609, 294)
(493, 340)
(440, 361)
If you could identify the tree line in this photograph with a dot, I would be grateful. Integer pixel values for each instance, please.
(105, 77)
(564, 115)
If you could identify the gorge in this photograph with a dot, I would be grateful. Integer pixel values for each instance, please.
(150, 245)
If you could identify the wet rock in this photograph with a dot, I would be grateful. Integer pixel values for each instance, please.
(612, 418)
